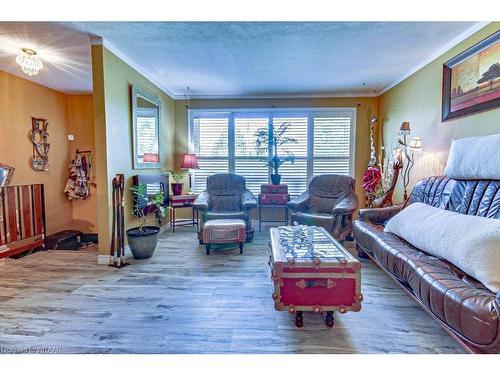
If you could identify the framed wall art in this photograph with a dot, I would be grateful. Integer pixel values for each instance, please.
(471, 80)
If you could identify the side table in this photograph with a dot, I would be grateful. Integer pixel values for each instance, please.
(272, 221)
(182, 201)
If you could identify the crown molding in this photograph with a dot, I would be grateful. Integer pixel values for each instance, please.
(278, 96)
(96, 40)
(445, 48)
(99, 41)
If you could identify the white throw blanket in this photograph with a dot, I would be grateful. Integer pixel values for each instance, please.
(474, 158)
(471, 243)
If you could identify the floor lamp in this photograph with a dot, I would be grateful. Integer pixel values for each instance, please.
(410, 148)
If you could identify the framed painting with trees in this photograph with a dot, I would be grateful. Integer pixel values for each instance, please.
(471, 80)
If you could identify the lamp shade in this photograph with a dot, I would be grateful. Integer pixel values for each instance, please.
(405, 127)
(415, 144)
(189, 161)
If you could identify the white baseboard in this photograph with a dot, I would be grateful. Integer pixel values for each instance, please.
(106, 259)
(103, 259)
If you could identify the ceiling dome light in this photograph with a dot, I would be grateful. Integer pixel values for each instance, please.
(29, 62)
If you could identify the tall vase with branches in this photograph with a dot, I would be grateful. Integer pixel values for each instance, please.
(270, 141)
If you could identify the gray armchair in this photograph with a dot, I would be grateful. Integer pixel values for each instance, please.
(329, 203)
(226, 197)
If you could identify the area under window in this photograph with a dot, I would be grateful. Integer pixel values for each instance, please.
(224, 141)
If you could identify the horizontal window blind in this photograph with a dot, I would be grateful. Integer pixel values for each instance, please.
(294, 175)
(225, 141)
(248, 162)
(332, 143)
(147, 133)
(210, 138)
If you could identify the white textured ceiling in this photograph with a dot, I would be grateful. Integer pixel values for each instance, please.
(65, 54)
(233, 59)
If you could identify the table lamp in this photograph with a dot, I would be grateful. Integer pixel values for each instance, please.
(189, 162)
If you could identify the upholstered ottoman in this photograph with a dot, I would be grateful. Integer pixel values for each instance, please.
(224, 231)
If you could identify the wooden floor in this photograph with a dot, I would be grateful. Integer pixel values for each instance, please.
(182, 301)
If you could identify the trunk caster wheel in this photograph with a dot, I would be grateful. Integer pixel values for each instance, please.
(299, 319)
(329, 319)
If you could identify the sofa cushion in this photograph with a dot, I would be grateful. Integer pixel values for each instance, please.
(469, 310)
(466, 306)
(389, 250)
(471, 243)
(435, 191)
(463, 161)
(480, 198)
(210, 215)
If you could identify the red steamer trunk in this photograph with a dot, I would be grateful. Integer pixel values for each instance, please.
(274, 198)
(312, 271)
(274, 189)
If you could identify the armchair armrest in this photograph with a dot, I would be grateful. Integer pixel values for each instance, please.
(301, 203)
(201, 203)
(347, 205)
(379, 215)
(248, 200)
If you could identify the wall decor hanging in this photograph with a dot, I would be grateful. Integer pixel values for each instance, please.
(78, 184)
(6, 173)
(471, 80)
(41, 145)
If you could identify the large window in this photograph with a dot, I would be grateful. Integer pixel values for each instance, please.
(224, 141)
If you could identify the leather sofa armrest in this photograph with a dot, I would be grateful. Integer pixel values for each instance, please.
(248, 200)
(379, 215)
(201, 202)
(301, 203)
(347, 205)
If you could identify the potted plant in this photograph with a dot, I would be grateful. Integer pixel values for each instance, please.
(176, 186)
(143, 239)
(266, 141)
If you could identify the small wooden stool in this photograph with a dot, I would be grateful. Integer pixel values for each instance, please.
(224, 231)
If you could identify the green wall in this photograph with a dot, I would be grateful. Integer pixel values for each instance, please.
(417, 99)
(113, 122)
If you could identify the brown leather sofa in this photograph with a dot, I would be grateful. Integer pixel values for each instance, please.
(466, 308)
(329, 203)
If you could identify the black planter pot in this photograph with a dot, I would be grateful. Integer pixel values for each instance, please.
(276, 179)
(143, 244)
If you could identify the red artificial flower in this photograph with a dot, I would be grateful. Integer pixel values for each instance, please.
(371, 178)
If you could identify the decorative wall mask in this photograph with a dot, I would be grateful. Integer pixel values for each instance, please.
(41, 145)
(6, 173)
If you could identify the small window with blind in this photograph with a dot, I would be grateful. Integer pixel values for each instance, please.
(225, 141)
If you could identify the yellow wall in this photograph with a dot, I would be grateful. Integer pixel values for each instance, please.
(19, 100)
(365, 108)
(418, 100)
(113, 132)
(81, 125)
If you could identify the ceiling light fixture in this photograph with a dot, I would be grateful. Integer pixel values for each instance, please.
(29, 62)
